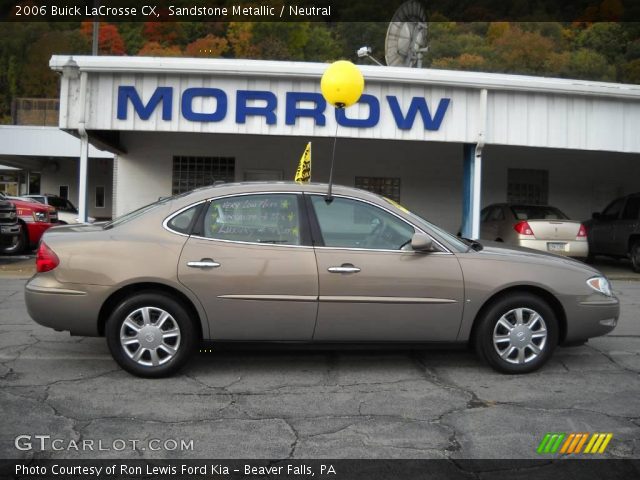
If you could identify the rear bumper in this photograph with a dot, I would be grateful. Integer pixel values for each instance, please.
(573, 248)
(593, 316)
(70, 307)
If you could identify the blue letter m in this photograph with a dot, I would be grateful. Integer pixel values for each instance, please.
(418, 104)
(162, 94)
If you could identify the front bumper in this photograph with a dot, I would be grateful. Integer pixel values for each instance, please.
(8, 233)
(592, 316)
(60, 306)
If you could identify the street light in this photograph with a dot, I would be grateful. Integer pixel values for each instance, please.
(366, 52)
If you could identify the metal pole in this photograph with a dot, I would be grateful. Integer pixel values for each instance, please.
(82, 184)
(96, 29)
(94, 44)
(84, 151)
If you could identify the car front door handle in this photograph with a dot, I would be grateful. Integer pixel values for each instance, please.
(204, 263)
(344, 268)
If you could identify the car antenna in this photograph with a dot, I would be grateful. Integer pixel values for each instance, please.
(341, 84)
(329, 198)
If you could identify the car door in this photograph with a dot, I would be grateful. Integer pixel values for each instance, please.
(251, 264)
(602, 232)
(628, 225)
(372, 285)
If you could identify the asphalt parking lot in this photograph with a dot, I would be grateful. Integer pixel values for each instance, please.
(309, 404)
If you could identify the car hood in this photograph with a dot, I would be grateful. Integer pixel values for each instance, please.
(497, 250)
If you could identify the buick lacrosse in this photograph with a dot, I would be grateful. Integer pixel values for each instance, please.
(284, 262)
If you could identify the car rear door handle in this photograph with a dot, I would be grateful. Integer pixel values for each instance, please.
(344, 268)
(204, 263)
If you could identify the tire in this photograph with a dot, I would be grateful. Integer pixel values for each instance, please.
(21, 244)
(634, 254)
(502, 313)
(151, 355)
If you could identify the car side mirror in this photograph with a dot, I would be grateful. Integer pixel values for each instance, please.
(421, 242)
(595, 215)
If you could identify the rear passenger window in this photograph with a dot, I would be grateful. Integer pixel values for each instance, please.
(181, 223)
(268, 218)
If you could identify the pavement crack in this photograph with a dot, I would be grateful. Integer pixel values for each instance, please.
(431, 375)
(612, 360)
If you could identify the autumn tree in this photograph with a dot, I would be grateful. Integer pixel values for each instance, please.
(155, 49)
(109, 40)
(209, 46)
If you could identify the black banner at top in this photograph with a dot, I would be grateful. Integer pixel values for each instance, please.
(315, 10)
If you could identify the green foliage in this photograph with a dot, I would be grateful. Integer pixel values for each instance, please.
(605, 51)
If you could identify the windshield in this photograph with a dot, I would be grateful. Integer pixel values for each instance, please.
(537, 212)
(448, 237)
(62, 204)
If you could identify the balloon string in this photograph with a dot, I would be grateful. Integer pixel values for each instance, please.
(333, 156)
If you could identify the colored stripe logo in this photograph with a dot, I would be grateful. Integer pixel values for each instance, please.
(573, 443)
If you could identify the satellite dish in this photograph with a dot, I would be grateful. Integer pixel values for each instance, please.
(406, 39)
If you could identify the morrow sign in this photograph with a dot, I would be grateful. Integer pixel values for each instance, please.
(264, 103)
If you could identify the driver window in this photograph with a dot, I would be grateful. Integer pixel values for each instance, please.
(352, 224)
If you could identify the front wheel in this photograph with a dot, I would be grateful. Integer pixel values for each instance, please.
(150, 335)
(517, 333)
(634, 254)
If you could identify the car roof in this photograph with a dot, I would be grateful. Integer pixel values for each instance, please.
(275, 186)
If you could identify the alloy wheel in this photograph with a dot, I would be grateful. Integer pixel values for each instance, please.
(150, 336)
(520, 336)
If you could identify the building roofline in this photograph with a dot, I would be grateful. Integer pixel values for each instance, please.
(372, 73)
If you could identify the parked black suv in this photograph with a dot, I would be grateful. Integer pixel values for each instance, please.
(9, 227)
(616, 231)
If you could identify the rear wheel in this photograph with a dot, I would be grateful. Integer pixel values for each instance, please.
(150, 335)
(634, 253)
(517, 333)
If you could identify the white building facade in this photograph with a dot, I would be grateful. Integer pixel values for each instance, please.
(442, 143)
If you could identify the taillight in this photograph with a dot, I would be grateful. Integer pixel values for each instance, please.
(46, 259)
(582, 232)
(523, 228)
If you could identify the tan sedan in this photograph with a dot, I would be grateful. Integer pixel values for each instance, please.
(541, 227)
(282, 262)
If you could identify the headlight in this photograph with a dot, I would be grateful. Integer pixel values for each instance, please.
(600, 285)
(40, 216)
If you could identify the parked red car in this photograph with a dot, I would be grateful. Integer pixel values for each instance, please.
(35, 218)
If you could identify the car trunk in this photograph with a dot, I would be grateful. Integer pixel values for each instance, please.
(555, 229)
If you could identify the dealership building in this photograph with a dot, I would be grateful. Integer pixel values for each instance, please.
(443, 143)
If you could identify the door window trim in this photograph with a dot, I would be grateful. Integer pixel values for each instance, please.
(305, 235)
(318, 241)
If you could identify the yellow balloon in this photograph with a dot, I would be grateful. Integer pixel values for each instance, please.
(342, 84)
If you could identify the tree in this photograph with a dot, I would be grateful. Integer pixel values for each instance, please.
(517, 51)
(154, 49)
(109, 40)
(209, 46)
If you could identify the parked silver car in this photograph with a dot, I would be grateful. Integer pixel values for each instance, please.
(282, 262)
(541, 227)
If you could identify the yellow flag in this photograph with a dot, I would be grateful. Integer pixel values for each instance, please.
(303, 173)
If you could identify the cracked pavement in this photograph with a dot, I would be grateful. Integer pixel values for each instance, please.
(314, 404)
